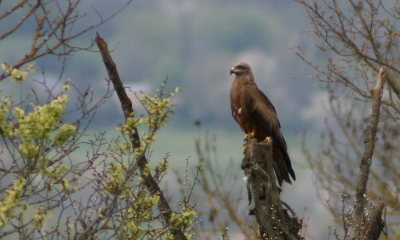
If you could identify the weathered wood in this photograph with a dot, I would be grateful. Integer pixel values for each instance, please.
(274, 221)
(374, 223)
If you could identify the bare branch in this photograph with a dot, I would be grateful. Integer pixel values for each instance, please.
(126, 106)
(370, 138)
(23, 19)
(55, 31)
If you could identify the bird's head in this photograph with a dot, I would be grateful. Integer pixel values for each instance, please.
(240, 69)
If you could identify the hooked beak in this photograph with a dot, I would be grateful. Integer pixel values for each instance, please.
(232, 71)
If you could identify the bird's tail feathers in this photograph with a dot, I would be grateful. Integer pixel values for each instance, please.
(282, 166)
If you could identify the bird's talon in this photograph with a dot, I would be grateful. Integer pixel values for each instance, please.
(244, 148)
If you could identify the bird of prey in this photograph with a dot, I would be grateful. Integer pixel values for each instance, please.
(256, 115)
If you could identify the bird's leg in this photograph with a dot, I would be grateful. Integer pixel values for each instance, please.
(245, 140)
(247, 136)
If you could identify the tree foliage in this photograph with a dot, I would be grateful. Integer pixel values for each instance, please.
(59, 180)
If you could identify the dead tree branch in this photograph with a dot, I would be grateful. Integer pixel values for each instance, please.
(375, 224)
(127, 108)
(274, 221)
(370, 138)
